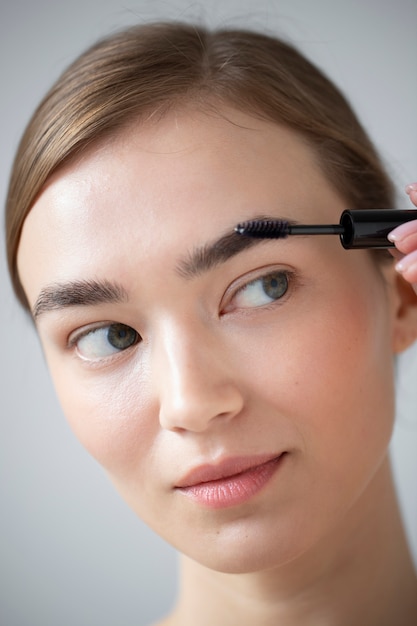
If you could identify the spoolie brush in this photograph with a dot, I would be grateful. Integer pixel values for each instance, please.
(279, 229)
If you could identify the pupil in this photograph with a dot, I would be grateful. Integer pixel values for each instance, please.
(121, 336)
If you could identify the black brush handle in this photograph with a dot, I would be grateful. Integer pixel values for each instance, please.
(369, 228)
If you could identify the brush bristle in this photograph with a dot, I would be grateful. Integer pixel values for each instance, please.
(271, 229)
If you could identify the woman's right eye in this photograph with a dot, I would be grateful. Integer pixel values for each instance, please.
(104, 341)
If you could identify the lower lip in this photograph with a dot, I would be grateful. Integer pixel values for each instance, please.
(233, 490)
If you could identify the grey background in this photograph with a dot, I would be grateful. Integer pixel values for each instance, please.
(71, 552)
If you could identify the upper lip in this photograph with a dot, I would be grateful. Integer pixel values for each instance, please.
(224, 469)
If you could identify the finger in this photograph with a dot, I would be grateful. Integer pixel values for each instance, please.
(407, 267)
(396, 254)
(412, 192)
(405, 237)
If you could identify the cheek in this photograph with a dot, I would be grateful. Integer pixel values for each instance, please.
(350, 398)
(330, 372)
(110, 415)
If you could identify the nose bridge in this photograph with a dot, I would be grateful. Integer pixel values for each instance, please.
(194, 382)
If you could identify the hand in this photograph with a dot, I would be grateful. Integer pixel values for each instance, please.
(405, 239)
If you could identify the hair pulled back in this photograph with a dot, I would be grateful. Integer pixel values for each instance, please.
(147, 70)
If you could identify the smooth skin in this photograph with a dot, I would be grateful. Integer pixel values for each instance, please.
(219, 368)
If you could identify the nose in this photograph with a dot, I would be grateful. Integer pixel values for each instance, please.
(196, 387)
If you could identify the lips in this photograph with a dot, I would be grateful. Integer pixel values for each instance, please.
(231, 482)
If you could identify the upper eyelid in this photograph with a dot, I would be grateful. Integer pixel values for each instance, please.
(265, 275)
(82, 331)
(245, 280)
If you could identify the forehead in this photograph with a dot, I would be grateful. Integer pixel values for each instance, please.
(168, 186)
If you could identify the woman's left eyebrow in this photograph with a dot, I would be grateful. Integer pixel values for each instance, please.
(206, 257)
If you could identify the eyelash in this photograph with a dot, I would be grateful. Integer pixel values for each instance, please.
(77, 336)
(290, 278)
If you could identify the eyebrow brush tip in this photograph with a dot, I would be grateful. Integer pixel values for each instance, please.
(273, 229)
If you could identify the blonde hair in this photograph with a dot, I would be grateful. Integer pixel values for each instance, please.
(149, 69)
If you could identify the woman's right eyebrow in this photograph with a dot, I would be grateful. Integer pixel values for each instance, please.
(77, 293)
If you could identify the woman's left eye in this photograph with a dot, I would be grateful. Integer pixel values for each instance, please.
(261, 291)
(104, 341)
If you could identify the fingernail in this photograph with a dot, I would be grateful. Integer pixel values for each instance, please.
(403, 231)
(411, 187)
(407, 264)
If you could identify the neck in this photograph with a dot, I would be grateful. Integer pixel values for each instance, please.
(361, 574)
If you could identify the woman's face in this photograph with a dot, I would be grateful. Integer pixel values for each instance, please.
(239, 396)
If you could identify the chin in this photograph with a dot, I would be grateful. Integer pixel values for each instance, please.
(241, 549)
